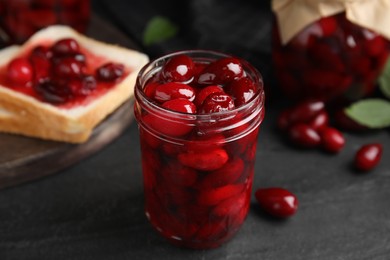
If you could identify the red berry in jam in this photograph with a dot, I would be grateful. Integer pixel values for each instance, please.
(332, 139)
(205, 92)
(368, 156)
(173, 90)
(217, 102)
(221, 71)
(42, 51)
(278, 202)
(82, 87)
(80, 57)
(41, 66)
(20, 71)
(241, 90)
(228, 174)
(53, 92)
(180, 105)
(205, 160)
(214, 196)
(150, 89)
(110, 71)
(304, 136)
(67, 46)
(328, 25)
(179, 68)
(166, 126)
(68, 67)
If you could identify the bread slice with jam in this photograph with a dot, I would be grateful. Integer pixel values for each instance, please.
(60, 84)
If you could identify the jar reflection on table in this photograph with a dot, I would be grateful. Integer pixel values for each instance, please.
(197, 168)
(19, 19)
(331, 58)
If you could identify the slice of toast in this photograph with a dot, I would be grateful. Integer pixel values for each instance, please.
(25, 115)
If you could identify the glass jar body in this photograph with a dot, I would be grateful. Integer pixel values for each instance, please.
(21, 18)
(329, 59)
(197, 177)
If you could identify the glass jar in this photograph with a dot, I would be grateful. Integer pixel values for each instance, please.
(197, 168)
(330, 59)
(19, 19)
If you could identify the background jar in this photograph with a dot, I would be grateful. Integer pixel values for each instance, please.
(197, 168)
(330, 59)
(19, 19)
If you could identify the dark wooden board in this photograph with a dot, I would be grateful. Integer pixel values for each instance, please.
(23, 159)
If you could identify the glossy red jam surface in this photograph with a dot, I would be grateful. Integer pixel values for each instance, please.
(61, 73)
(198, 141)
(329, 59)
(22, 18)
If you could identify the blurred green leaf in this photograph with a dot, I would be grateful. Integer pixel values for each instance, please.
(159, 29)
(373, 113)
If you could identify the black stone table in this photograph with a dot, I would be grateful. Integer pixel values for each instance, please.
(94, 210)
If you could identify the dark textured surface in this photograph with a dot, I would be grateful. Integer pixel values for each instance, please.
(94, 210)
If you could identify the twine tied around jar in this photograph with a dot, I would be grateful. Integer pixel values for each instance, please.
(295, 15)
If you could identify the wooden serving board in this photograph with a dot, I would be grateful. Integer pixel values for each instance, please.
(24, 159)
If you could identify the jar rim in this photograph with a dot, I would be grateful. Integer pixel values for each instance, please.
(259, 94)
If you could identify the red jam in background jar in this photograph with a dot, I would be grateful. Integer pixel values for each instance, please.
(329, 59)
(199, 114)
(22, 18)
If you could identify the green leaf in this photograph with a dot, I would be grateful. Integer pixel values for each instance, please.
(373, 113)
(158, 29)
(384, 80)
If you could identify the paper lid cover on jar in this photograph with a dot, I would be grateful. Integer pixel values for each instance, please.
(294, 15)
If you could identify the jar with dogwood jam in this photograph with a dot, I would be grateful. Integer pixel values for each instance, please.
(199, 114)
(330, 50)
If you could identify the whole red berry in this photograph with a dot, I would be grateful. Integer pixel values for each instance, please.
(65, 46)
(53, 92)
(205, 92)
(180, 105)
(242, 90)
(304, 136)
(179, 68)
(328, 25)
(207, 160)
(110, 71)
(368, 156)
(41, 67)
(332, 140)
(82, 87)
(217, 102)
(68, 67)
(41, 51)
(305, 111)
(173, 90)
(20, 71)
(276, 201)
(320, 121)
(221, 71)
